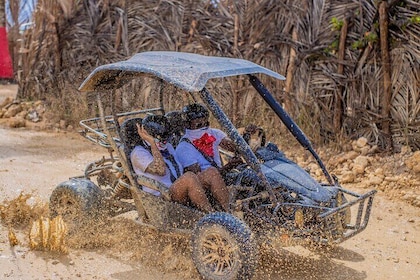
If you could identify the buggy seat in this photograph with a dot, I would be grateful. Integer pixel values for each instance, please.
(129, 139)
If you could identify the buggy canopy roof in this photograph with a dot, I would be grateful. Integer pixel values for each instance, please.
(187, 71)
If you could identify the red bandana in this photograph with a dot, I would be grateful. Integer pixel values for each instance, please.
(205, 144)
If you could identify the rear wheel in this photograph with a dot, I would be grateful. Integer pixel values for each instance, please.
(76, 200)
(224, 248)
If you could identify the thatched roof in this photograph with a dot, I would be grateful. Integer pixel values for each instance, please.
(299, 39)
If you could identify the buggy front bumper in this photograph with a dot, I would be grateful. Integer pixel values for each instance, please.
(363, 204)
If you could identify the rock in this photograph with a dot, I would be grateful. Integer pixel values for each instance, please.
(391, 179)
(346, 166)
(413, 162)
(381, 187)
(318, 173)
(379, 172)
(354, 146)
(364, 150)
(300, 160)
(13, 111)
(351, 155)
(16, 122)
(22, 114)
(361, 142)
(342, 158)
(360, 164)
(335, 161)
(6, 102)
(375, 180)
(405, 150)
(347, 177)
(62, 124)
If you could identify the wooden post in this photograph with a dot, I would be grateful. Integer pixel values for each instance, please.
(55, 19)
(290, 73)
(236, 34)
(338, 99)
(386, 68)
(2, 13)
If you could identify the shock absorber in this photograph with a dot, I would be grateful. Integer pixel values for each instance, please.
(121, 189)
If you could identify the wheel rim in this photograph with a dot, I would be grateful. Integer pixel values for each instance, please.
(67, 207)
(219, 253)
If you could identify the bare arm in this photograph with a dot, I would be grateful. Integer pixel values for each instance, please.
(157, 166)
(236, 160)
(228, 144)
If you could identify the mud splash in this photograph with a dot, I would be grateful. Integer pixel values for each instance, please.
(120, 237)
(18, 213)
(124, 238)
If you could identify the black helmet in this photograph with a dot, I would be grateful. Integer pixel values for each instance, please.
(195, 111)
(157, 126)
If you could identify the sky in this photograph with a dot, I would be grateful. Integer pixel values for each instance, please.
(26, 9)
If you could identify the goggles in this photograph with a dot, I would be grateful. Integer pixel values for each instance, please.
(162, 141)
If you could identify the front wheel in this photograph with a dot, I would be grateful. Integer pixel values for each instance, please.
(224, 248)
(76, 200)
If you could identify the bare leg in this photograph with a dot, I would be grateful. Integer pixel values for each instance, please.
(213, 181)
(188, 187)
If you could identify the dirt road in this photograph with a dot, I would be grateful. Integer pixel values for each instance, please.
(34, 162)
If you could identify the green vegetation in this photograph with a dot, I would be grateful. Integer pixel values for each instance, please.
(336, 24)
(368, 39)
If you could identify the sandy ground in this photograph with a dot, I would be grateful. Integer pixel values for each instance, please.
(35, 161)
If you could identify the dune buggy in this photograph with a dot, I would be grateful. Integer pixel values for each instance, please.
(271, 197)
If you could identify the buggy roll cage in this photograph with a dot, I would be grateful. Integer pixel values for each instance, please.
(191, 72)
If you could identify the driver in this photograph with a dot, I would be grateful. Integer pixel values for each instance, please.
(156, 159)
(198, 149)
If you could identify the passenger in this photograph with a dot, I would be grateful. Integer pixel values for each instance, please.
(198, 149)
(156, 159)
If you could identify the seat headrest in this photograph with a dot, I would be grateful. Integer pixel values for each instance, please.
(129, 134)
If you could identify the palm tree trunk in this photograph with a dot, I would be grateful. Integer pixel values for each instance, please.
(2, 13)
(386, 100)
(338, 106)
